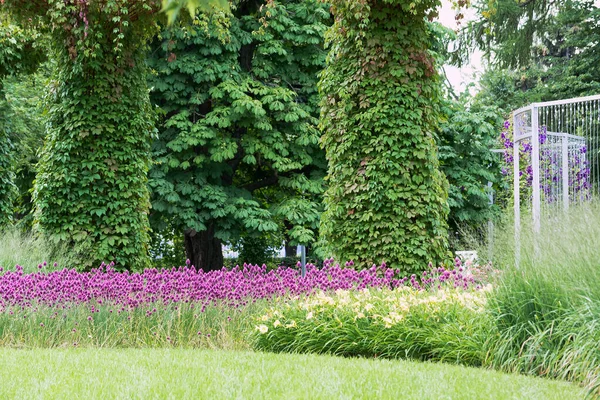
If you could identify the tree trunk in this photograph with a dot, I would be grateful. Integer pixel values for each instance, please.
(291, 251)
(203, 249)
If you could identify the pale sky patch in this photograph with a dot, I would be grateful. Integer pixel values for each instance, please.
(471, 71)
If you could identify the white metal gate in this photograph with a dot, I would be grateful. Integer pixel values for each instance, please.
(555, 154)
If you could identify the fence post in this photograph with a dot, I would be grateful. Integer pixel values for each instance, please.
(490, 223)
(565, 172)
(535, 166)
(516, 194)
(303, 259)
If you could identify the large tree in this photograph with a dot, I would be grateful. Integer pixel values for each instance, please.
(237, 152)
(387, 199)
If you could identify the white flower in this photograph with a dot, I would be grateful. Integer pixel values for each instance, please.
(276, 323)
(262, 329)
(387, 321)
(309, 315)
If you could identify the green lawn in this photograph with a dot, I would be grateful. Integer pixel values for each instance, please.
(204, 374)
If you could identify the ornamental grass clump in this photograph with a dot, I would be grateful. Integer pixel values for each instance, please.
(547, 309)
(446, 324)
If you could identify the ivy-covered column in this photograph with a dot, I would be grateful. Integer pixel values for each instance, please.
(90, 191)
(387, 199)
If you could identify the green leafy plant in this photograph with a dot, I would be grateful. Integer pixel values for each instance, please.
(465, 140)
(387, 199)
(238, 152)
(18, 54)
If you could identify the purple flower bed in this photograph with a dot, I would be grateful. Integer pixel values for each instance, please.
(188, 285)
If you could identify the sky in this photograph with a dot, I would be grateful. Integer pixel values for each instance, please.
(460, 77)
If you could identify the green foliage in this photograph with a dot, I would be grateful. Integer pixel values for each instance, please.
(90, 191)
(24, 113)
(166, 248)
(18, 54)
(172, 8)
(447, 325)
(238, 147)
(507, 29)
(464, 142)
(28, 251)
(7, 187)
(387, 199)
(505, 89)
(19, 49)
(547, 309)
(256, 250)
(562, 61)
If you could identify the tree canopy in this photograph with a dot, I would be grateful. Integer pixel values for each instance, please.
(238, 150)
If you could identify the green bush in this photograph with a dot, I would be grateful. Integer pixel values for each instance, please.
(446, 325)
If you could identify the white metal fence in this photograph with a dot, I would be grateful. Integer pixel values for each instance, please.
(556, 156)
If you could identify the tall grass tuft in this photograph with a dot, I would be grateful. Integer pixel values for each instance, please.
(547, 307)
(108, 325)
(29, 251)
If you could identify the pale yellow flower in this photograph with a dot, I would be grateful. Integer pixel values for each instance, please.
(276, 323)
(309, 315)
(262, 329)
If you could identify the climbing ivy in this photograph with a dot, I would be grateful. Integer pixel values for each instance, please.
(90, 190)
(387, 199)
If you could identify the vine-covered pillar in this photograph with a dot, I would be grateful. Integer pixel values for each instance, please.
(387, 199)
(90, 191)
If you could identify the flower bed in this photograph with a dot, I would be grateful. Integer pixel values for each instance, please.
(186, 284)
(172, 307)
(447, 324)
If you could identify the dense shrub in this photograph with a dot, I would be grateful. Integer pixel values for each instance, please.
(444, 325)
(387, 199)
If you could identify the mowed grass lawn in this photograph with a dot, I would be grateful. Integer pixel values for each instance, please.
(205, 374)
